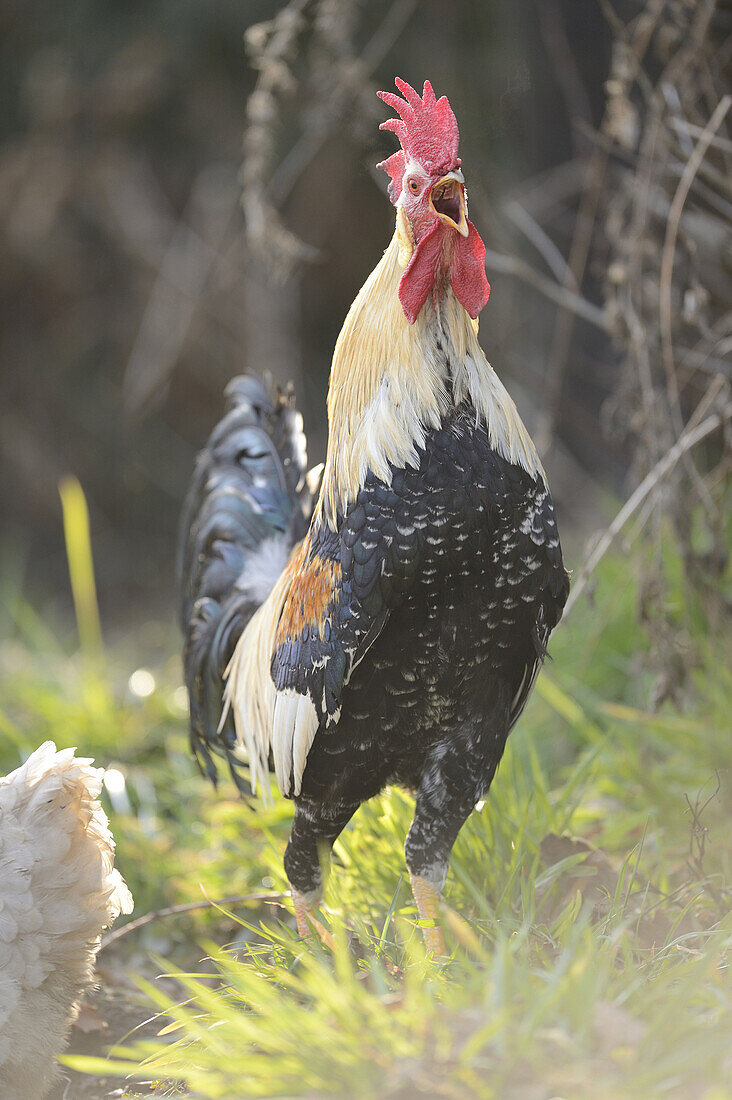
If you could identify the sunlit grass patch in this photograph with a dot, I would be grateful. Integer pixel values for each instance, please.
(587, 910)
(515, 1013)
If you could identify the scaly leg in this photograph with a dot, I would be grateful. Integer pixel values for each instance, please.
(451, 785)
(307, 922)
(314, 832)
(428, 907)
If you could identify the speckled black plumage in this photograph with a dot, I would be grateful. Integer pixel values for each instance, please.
(452, 579)
(450, 582)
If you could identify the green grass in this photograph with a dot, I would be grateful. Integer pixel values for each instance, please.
(588, 908)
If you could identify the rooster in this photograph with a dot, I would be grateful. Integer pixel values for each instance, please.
(398, 640)
(58, 890)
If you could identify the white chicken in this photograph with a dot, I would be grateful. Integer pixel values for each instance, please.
(58, 890)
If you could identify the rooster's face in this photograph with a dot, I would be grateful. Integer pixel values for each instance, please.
(430, 199)
(428, 186)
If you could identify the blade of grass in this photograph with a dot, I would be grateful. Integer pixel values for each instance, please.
(77, 534)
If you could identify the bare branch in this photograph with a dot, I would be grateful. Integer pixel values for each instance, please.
(699, 131)
(177, 910)
(690, 438)
(541, 241)
(669, 250)
(563, 296)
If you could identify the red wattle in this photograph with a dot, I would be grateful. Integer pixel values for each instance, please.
(467, 271)
(467, 274)
(419, 274)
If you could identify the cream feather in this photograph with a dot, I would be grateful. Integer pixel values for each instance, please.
(249, 689)
(58, 890)
(388, 385)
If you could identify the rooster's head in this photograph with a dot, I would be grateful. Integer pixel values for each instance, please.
(428, 188)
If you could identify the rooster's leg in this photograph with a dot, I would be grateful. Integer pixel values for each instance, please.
(314, 832)
(451, 785)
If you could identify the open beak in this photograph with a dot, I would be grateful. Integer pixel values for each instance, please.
(447, 198)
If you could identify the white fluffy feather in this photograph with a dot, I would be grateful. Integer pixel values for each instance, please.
(264, 567)
(58, 890)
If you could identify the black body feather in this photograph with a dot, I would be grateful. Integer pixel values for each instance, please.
(450, 580)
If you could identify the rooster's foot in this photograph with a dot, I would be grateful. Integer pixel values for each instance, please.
(307, 922)
(428, 906)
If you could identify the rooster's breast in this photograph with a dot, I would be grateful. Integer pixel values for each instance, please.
(468, 625)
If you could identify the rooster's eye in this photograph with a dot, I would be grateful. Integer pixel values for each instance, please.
(413, 186)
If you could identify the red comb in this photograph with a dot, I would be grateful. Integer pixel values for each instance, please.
(427, 131)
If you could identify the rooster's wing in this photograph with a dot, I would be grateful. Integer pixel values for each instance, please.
(344, 584)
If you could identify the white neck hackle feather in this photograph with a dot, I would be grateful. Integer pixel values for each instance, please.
(389, 386)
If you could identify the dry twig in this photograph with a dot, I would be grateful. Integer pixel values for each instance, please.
(177, 910)
(562, 295)
(689, 438)
(669, 251)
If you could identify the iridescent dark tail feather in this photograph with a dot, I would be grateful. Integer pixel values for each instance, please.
(247, 506)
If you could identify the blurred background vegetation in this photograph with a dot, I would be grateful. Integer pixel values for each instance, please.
(129, 295)
(187, 190)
